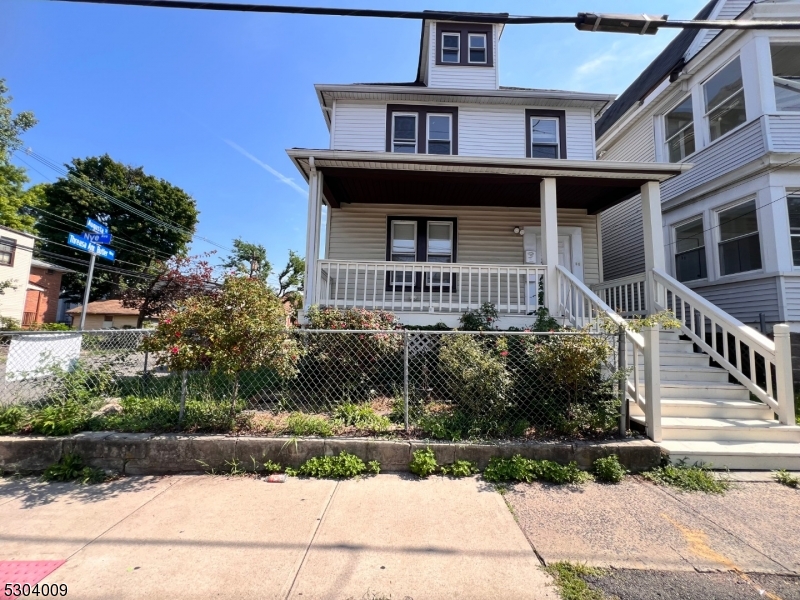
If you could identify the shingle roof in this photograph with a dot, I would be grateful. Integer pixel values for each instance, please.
(664, 64)
(104, 307)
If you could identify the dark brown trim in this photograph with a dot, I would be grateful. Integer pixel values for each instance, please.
(463, 55)
(561, 115)
(9, 242)
(422, 124)
(329, 195)
(422, 248)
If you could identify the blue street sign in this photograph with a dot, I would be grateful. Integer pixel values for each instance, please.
(95, 227)
(81, 243)
(97, 238)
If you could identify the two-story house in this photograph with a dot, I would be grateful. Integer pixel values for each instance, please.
(729, 103)
(451, 190)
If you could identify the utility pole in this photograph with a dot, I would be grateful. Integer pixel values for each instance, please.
(86, 292)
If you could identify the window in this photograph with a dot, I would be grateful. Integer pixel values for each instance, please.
(724, 100)
(8, 248)
(793, 202)
(439, 141)
(440, 249)
(477, 48)
(786, 76)
(404, 241)
(404, 133)
(108, 321)
(679, 131)
(414, 128)
(739, 246)
(545, 134)
(419, 239)
(690, 251)
(451, 48)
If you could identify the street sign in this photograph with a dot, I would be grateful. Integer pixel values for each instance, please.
(95, 227)
(97, 238)
(81, 243)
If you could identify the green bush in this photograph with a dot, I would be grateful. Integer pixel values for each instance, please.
(160, 414)
(300, 424)
(694, 478)
(11, 419)
(71, 468)
(527, 470)
(423, 462)
(480, 319)
(64, 418)
(343, 466)
(9, 324)
(460, 468)
(361, 416)
(608, 469)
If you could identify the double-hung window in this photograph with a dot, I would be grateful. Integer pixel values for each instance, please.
(544, 137)
(8, 248)
(464, 45)
(404, 132)
(679, 131)
(739, 243)
(403, 249)
(477, 48)
(440, 249)
(793, 204)
(786, 76)
(440, 134)
(420, 240)
(724, 100)
(690, 251)
(451, 48)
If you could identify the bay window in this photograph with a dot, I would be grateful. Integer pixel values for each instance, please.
(739, 245)
(793, 204)
(690, 251)
(786, 76)
(679, 131)
(723, 94)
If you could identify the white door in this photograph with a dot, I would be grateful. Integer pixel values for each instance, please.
(570, 254)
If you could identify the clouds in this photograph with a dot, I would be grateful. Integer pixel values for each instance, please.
(281, 177)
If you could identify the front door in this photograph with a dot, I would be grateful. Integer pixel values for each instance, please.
(570, 254)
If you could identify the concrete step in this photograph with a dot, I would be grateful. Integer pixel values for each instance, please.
(704, 390)
(713, 409)
(736, 455)
(711, 429)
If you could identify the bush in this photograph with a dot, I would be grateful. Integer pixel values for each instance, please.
(343, 466)
(480, 319)
(11, 419)
(9, 324)
(50, 327)
(423, 462)
(460, 468)
(695, 478)
(300, 424)
(608, 469)
(527, 470)
(160, 414)
(71, 468)
(63, 418)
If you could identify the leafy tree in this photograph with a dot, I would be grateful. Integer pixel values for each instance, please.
(249, 260)
(171, 282)
(13, 196)
(291, 280)
(140, 243)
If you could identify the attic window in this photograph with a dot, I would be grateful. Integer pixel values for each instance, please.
(464, 44)
(477, 48)
(451, 48)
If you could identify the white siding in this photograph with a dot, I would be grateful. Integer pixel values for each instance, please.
(485, 236)
(12, 301)
(360, 126)
(637, 144)
(491, 131)
(791, 286)
(580, 135)
(456, 77)
(784, 132)
(623, 239)
(745, 300)
(729, 10)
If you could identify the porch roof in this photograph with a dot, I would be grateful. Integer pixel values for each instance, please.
(390, 178)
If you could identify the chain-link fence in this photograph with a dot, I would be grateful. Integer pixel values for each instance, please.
(443, 385)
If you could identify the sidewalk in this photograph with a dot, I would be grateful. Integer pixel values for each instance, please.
(389, 536)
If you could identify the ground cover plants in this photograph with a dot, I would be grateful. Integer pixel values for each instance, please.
(71, 468)
(527, 470)
(609, 469)
(688, 478)
(343, 466)
(569, 578)
(785, 478)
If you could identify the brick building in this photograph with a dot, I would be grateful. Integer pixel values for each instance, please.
(43, 290)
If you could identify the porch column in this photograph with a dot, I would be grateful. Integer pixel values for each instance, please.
(312, 235)
(549, 232)
(653, 241)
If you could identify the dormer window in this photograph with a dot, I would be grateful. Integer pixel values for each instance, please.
(477, 48)
(404, 132)
(451, 48)
(418, 129)
(546, 134)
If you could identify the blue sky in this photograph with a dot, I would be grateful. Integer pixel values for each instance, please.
(210, 101)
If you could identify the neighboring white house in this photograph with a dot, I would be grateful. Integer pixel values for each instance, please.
(16, 252)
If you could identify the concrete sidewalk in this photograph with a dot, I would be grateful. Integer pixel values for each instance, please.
(389, 536)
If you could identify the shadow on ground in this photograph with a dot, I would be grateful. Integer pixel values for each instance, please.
(32, 491)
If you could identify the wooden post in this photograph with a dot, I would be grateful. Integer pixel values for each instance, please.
(783, 374)
(653, 242)
(652, 381)
(312, 234)
(549, 233)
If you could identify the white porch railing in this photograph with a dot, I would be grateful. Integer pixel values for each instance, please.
(428, 287)
(625, 295)
(761, 365)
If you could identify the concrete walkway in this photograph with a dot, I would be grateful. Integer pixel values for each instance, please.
(389, 536)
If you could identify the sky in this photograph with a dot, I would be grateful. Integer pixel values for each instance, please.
(210, 101)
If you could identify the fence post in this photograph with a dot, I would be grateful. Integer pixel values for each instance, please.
(652, 381)
(621, 367)
(183, 397)
(783, 374)
(405, 376)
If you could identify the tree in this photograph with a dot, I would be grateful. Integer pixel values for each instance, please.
(171, 282)
(139, 242)
(14, 199)
(291, 281)
(249, 260)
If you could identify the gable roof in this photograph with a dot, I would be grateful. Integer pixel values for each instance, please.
(104, 307)
(671, 58)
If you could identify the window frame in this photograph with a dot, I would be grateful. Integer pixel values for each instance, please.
(392, 141)
(456, 35)
(718, 241)
(666, 140)
(421, 243)
(781, 42)
(422, 111)
(428, 140)
(12, 243)
(707, 112)
(699, 217)
(485, 37)
(791, 193)
(464, 30)
(561, 115)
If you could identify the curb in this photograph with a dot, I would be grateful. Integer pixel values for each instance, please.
(170, 454)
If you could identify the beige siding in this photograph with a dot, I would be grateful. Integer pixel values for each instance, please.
(97, 321)
(12, 301)
(485, 234)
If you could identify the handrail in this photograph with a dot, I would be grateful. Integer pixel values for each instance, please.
(698, 317)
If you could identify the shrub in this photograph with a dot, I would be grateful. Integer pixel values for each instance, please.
(71, 468)
(50, 327)
(361, 416)
(11, 419)
(695, 478)
(64, 418)
(423, 462)
(9, 324)
(785, 478)
(160, 413)
(343, 466)
(527, 470)
(351, 318)
(480, 319)
(460, 468)
(300, 424)
(608, 469)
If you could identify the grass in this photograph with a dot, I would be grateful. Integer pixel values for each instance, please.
(688, 478)
(785, 478)
(361, 416)
(569, 580)
(299, 424)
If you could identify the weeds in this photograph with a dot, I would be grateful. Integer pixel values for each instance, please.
(344, 466)
(423, 463)
(71, 468)
(571, 585)
(528, 470)
(271, 467)
(11, 418)
(63, 418)
(460, 468)
(361, 416)
(694, 478)
(608, 469)
(299, 424)
(785, 478)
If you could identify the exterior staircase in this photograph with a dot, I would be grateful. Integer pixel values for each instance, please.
(705, 418)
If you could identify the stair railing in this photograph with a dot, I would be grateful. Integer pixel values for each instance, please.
(764, 367)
